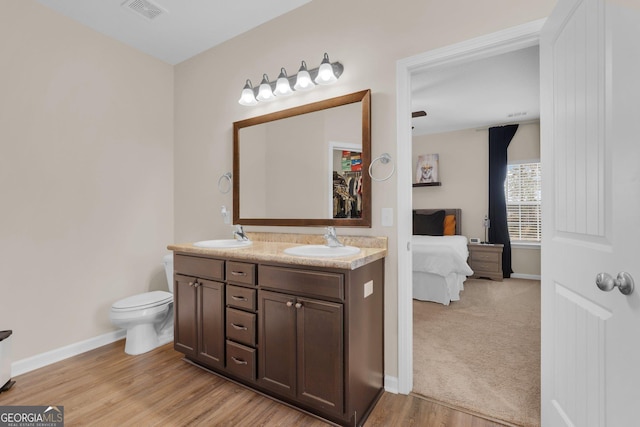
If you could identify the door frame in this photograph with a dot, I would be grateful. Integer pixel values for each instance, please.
(507, 40)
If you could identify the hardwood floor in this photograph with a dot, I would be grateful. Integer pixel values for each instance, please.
(106, 387)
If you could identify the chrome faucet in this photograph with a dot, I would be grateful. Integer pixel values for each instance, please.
(239, 233)
(331, 238)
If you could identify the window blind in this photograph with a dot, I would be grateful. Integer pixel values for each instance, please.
(523, 193)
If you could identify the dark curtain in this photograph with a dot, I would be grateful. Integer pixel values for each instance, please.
(499, 139)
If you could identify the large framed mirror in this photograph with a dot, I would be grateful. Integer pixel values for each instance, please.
(305, 166)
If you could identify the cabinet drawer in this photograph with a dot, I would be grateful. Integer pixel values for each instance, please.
(241, 360)
(199, 267)
(486, 256)
(319, 283)
(244, 298)
(241, 272)
(241, 326)
(490, 267)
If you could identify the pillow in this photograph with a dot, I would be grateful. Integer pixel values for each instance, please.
(449, 225)
(428, 225)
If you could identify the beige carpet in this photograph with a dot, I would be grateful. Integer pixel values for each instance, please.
(482, 353)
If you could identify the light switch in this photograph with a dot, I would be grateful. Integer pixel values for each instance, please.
(387, 217)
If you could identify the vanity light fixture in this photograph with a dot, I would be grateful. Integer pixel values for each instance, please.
(285, 85)
(265, 93)
(325, 76)
(248, 97)
(303, 80)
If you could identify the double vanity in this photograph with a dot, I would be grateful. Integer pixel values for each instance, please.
(288, 317)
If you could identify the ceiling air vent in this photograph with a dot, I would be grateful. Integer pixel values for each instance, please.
(144, 8)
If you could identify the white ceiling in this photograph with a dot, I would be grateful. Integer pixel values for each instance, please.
(186, 28)
(471, 95)
(494, 91)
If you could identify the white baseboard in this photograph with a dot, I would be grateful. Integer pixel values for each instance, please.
(526, 276)
(39, 360)
(391, 384)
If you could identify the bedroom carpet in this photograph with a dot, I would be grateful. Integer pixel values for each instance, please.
(482, 353)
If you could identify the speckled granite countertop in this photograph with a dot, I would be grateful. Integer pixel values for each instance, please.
(270, 247)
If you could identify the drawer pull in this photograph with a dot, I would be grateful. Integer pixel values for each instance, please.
(239, 361)
(237, 298)
(238, 273)
(239, 327)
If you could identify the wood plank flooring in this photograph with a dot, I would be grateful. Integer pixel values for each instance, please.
(106, 387)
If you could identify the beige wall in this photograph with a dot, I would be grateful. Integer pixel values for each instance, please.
(463, 165)
(464, 173)
(86, 177)
(368, 38)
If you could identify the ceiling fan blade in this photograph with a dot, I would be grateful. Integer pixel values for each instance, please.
(418, 114)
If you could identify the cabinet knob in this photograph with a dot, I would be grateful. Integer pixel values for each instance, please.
(289, 303)
(298, 304)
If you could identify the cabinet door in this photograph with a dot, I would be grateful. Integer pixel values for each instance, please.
(184, 306)
(211, 341)
(320, 354)
(277, 342)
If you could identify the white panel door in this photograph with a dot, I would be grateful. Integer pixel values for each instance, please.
(590, 94)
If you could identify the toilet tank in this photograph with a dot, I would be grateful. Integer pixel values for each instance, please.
(167, 260)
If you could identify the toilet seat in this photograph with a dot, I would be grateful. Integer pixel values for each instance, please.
(143, 301)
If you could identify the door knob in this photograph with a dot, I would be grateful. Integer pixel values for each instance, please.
(624, 282)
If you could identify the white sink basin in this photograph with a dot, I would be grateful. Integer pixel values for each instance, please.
(322, 251)
(223, 244)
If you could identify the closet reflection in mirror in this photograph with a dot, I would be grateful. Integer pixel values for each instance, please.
(285, 164)
(346, 183)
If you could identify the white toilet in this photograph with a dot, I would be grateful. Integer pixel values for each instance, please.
(147, 317)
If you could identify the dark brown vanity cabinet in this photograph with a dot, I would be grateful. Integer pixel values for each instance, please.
(241, 323)
(199, 309)
(301, 349)
(309, 336)
(320, 338)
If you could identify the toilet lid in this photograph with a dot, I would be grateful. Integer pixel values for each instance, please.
(141, 301)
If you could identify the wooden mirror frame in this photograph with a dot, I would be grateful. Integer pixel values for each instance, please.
(363, 97)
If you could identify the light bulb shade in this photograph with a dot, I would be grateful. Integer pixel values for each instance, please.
(283, 87)
(303, 81)
(325, 75)
(247, 97)
(264, 91)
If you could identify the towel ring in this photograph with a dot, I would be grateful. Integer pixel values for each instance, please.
(226, 176)
(384, 158)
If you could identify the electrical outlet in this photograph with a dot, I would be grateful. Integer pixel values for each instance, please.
(368, 288)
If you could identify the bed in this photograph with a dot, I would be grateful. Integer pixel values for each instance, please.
(439, 261)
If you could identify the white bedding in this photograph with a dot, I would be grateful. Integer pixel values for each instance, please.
(439, 267)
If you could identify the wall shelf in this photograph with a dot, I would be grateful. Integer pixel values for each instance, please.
(427, 184)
